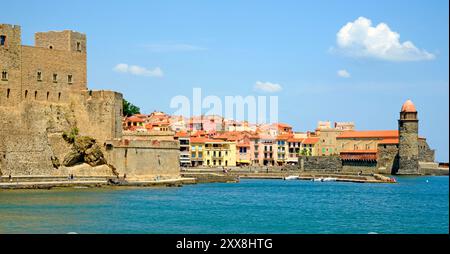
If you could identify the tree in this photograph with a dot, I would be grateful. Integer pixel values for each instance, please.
(129, 109)
(305, 152)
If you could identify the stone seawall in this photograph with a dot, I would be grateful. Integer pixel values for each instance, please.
(320, 163)
(144, 159)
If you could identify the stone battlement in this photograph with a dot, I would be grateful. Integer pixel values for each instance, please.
(43, 94)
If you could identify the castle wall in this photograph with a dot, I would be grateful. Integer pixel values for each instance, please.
(25, 145)
(359, 166)
(320, 163)
(10, 61)
(49, 62)
(387, 158)
(425, 153)
(144, 159)
(36, 108)
(148, 135)
(99, 114)
(31, 133)
(61, 40)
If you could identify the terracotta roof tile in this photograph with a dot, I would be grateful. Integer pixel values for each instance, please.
(358, 151)
(292, 140)
(389, 141)
(408, 106)
(369, 134)
(310, 141)
(181, 134)
(134, 119)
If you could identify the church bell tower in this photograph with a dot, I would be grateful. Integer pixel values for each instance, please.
(408, 147)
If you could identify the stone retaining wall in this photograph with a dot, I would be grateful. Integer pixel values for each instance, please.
(320, 163)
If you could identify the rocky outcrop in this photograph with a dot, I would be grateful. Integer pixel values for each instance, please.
(72, 158)
(94, 156)
(85, 149)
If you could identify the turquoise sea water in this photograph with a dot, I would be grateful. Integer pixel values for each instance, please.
(414, 205)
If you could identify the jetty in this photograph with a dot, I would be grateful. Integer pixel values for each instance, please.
(49, 182)
(218, 175)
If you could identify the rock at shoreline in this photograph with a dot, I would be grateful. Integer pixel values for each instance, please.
(94, 156)
(82, 144)
(72, 158)
(85, 150)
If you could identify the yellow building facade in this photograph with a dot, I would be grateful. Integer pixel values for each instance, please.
(212, 153)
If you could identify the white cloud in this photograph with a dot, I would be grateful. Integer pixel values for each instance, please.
(360, 39)
(343, 73)
(172, 47)
(267, 87)
(138, 70)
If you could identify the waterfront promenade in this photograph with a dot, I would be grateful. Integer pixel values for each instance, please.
(193, 176)
(218, 175)
(48, 182)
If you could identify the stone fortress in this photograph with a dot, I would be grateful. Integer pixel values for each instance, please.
(399, 152)
(44, 93)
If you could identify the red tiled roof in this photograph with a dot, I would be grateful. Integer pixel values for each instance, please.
(310, 141)
(204, 140)
(181, 134)
(283, 125)
(359, 155)
(283, 137)
(254, 136)
(296, 140)
(244, 144)
(134, 119)
(198, 139)
(369, 134)
(359, 151)
(389, 141)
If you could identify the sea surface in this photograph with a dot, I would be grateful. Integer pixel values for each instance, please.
(414, 205)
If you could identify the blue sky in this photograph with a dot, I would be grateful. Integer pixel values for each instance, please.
(226, 47)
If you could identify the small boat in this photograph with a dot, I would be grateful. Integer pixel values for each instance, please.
(324, 179)
(291, 178)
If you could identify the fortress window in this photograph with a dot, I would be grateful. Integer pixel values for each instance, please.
(35, 95)
(2, 40)
(8, 91)
(78, 46)
(26, 93)
(55, 77)
(69, 79)
(59, 96)
(48, 94)
(4, 75)
(39, 76)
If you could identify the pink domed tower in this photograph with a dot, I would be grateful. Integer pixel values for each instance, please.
(408, 147)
